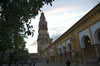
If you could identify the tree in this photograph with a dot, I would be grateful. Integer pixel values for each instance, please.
(14, 16)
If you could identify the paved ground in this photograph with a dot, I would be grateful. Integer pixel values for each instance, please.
(40, 64)
(53, 64)
(50, 64)
(63, 64)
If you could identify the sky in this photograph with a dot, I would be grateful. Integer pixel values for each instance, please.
(60, 17)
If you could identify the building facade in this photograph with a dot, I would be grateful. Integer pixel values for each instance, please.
(80, 44)
(43, 37)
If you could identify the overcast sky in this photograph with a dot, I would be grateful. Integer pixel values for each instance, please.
(60, 17)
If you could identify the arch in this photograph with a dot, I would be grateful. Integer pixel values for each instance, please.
(52, 55)
(64, 48)
(82, 36)
(87, 41)
(65, 56)
(89, 50)
(95, 28)
(97, 36)
(69, 47)
(82, 41)
(60, 51)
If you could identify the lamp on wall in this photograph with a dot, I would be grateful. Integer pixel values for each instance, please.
(89, 41)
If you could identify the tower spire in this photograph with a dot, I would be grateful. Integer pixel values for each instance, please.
(43, 22)
(42, 17)
(43, 37)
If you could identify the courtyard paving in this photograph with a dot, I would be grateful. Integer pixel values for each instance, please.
(63, 64)
(49, 64)
(54, 64)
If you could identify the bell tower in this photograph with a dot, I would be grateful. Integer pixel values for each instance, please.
(43, 37)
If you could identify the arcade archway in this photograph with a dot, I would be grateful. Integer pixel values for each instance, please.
(89, 50)
(97, 36)
(97, 42)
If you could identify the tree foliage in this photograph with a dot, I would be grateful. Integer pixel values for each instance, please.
(15, 25)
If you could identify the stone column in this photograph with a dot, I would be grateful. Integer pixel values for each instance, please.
(97, 49)
(83, 54)
(97, 53)
(56, 54)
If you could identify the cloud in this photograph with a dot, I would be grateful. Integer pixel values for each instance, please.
(55, 36)
(60, 17)
(59, 10)
(32, 49)
(32, 46)
(34, 43)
